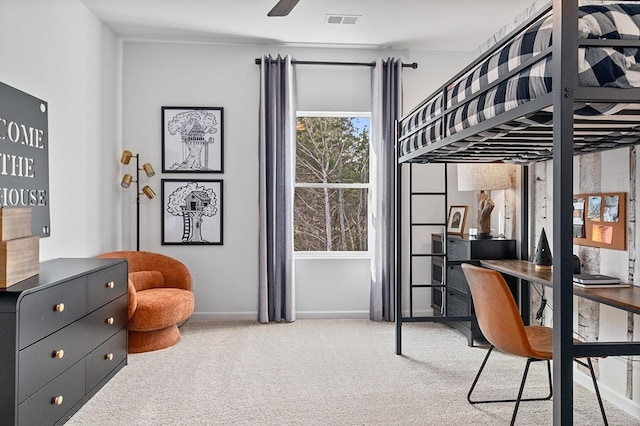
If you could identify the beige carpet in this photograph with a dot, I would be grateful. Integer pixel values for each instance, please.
(322, 372)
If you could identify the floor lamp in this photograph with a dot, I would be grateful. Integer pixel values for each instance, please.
(484, 177)
(146, 190)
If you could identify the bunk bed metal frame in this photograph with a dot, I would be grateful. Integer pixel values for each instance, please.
(555, 143)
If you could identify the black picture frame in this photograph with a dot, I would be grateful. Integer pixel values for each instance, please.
(192, 211)
(192, 139)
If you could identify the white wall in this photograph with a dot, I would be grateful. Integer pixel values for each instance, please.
(165, 74)
(434, 70)
(333, 288)
(104, 96)
(59, 52)
(156, 75)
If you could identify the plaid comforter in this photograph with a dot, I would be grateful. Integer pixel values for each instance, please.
(598, 67)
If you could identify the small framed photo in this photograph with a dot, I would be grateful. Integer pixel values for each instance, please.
(192, 140)
(456, 219)
(192, 211)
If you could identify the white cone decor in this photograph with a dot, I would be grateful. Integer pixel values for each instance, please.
(543, 259)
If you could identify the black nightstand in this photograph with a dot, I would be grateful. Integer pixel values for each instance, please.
(462, 249)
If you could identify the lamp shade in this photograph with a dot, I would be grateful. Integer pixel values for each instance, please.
(146, 190)
(126, 180)
(126, 156)
(148, 169)
(484, 177)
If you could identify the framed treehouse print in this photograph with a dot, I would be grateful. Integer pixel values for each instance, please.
(192, 211)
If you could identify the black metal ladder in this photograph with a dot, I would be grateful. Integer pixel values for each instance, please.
(441, 285)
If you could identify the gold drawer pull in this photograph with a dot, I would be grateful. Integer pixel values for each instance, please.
(108, 357)
(111, 284)
(59, 307)
(57, 400)
(110, 321)
(58, 354)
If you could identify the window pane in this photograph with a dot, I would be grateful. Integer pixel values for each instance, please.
(330, 219)
(332, 150)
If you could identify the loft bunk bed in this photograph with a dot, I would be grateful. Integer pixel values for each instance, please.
(563, 83)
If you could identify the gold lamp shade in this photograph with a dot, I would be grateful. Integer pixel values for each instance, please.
(126, 180)
(146, 190)
(126, 156)
(148, 169)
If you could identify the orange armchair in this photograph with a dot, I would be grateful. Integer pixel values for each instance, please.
(160, 298)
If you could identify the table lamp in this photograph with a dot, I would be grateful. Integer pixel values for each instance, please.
(484, 178)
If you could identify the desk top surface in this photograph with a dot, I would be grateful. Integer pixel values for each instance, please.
(627, 298)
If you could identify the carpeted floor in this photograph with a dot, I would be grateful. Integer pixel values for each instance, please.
(323, 372)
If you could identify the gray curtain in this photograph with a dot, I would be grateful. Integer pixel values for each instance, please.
(277, 173)
(386, 102)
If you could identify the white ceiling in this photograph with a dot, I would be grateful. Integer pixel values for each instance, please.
(444, 25)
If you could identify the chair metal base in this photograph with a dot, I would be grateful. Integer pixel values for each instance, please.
(519, 398)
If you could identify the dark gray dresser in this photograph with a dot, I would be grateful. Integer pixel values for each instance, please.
(462, 249)
(63, 335)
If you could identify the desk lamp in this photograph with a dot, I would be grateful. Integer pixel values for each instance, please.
(484, 178)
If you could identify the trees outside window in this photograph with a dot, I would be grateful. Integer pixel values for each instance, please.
(332, 183)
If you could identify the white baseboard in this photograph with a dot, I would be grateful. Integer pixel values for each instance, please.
(620, 401)
(224, 316)
(241, 316)
(332, 314)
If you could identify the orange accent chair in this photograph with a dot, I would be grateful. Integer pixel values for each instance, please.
(502, 326)
(160, 298)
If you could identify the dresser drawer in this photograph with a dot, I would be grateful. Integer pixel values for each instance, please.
(106, 285)
(456, 279)
(44, 360)
(43, 312)
(41, 408)
(106, 321)
(105, 358)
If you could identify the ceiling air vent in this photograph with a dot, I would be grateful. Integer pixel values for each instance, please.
(341, 19)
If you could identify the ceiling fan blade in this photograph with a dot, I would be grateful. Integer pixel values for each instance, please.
(282, 8)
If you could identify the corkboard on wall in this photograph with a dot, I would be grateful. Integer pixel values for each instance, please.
(600, 220)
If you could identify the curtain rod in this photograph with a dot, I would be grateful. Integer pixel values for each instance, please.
(412, 65)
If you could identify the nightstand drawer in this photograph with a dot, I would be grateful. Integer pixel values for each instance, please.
(44, 312)
(52, 402)
(458, 249)
(457, 304)
(457, 280)
(106, 285)
(461, 248)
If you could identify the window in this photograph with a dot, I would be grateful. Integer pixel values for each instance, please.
(332, 183)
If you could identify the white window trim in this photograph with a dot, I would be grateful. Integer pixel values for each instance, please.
(370, 186)
(332, 254)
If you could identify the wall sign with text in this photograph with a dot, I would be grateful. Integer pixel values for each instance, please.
(24, 155)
